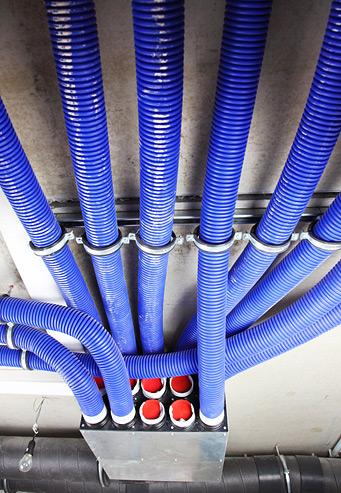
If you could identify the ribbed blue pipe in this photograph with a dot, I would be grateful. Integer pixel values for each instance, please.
(74, 38)
(329, 321)
(295, 267)
(315, 139)
(314, 313)
(307, 310)
(167, 365)
(159, 51)
(89, 332)
(243, 43)
(314, 142)
(25, 195)
(62, 361)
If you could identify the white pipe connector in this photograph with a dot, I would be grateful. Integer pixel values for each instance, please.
(178, 393)
(135, 389)
(154, 395)
(212, 421)
(94, 420)
(123, 420)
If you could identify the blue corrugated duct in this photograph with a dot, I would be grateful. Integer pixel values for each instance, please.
(159, 51)
(295, 267)
(74, 38)
(25, 195)
(244, 36)
(90, 333)
(315, 139)
(315, 312)
(66, 364)
(314, 142)
(186, 362)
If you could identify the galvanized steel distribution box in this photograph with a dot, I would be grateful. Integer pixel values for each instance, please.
(167, 453)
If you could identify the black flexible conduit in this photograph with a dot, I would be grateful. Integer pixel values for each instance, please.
(66, 465)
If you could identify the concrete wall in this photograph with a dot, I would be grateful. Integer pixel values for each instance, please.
(292, 400)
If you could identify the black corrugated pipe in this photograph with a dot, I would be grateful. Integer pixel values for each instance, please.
(66, 465)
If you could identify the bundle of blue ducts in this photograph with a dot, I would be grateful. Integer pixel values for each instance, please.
(186, 362)
(25, 195)
(314, 142)
(297, 265)
(159, 49)
(314, 313)
(56, 356)
(91, 334)
(244, 36)
(74, 38)
(315, 139)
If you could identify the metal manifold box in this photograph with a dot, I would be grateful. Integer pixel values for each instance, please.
(167, 453)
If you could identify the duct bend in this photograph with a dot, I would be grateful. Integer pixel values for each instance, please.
(291, 270)
(185, 362)
(91, 334)
(295, 267)
(75, 46)
(25, 195)
(159, 51)
(314, 313)
(55, 355)
(314, 142)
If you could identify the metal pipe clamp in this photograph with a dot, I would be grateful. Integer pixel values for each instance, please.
(286, 470)
(102, 251)
(326, 246)
(23, 360)
(9, 336)
(211, 247)
(55, 247)
(265, 247)
(155, 250)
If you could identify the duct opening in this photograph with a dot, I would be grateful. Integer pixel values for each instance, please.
(181, 413)
(152, 412)
(181, 386)
(153, 388)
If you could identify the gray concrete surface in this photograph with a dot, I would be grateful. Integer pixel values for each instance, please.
(293, 400)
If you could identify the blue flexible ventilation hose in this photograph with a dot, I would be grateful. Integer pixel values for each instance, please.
(315, 139)
(56, 356)
(314, 142)
(159, 51)
(295, 267)
(244, 36)
(329, 321)
(25, 195)
(74, 38)
(185, 362)
(90, 333)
